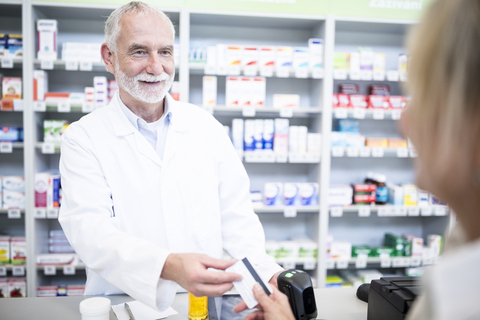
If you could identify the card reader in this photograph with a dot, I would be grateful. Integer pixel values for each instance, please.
(297, 285)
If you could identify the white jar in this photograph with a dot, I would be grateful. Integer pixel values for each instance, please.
(95, 309)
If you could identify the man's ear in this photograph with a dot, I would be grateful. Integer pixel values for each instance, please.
(108, 58)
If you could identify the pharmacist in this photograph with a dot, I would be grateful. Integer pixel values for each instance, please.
(153, 188)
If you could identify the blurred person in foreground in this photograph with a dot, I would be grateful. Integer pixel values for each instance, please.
(443, 122)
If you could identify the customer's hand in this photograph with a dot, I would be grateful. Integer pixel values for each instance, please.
(190, 271)
(273, 307)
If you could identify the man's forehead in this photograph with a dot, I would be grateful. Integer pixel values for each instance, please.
(140, 23)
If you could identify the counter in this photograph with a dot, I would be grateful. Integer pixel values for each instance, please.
(332, 303)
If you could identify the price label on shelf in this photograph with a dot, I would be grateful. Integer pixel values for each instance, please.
(361, 261)
(7, 63)
(365, 152)
(317, 73)
(402, 152)
(364, 212)
(289, 265)
(6, 147)
(52, 213)
(14, 214)
(427, 261)
(3, 271)
(221, 70)
(71, 65)
(309, 265)
(400, 262)
(399, 211)
(18, 271)
(301, 73)
(352, 152)
(342, 264)
(281, 158)
(340, 74)
(210, 69)
(46, 64)
(330, 264)
(336, 212)
(413, 211)
(367, 75)
(40, 213)
(39, 106)
(415, 261)
(338, 151)
(86, 66)
(48, 148)
(378, 114)
(385, 262)
(377, 152)
(233, 70)
(250, 156)
(396, 114)
(427, 211)
(378, 76)
(355, 75)
(286, 112)
(341, 113)
(87, 107)
(359, 113)
(266, 71)
(440, 211)
(283, 72)
(250, 71)
(49, 270)
(290, 212)
(382, 212)
(413, 153)
(248, 111)
(64, 106)
(68, 270)
(393, 76)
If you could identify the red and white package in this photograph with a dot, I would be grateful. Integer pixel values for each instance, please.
(378, 101)
(358, 101)
(343, 100)
(397, 102)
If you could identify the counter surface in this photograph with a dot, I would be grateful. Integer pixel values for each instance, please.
(332, 303)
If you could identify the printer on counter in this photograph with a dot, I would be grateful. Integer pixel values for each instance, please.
(390, 298)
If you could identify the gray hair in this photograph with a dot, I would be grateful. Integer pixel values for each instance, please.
(112, 26)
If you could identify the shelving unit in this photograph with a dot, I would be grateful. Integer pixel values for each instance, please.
(85, 22)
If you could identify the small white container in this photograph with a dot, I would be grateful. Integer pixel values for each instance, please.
(95, 309)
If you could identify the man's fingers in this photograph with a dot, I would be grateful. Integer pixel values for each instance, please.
(211, 290)
(240, 307)
(262, 297)
(210, 262)
(212, 277)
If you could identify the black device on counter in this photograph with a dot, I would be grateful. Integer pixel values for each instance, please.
(391, 297)
(297, 285)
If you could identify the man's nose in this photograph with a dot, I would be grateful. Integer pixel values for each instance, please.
(154, 65)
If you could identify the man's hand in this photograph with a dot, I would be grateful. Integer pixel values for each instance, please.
(190, 271)
(273, 279)
(273, 307)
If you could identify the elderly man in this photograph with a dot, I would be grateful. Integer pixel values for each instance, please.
(153, 189)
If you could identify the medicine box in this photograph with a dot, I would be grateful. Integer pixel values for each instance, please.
(13, 183)
(245, 94)
(267, 57)
(366, 59)
(314, 143)
(4, 249)
(47, 39)
(280, 144)
(258, 91)
(284, 57)
(237, 134)
(18, 249)
(40, 85)
(341, 250)
(250, 57)
(15, 46)
(232, 92)
(234, 55)
(286, 100)
(291, 194)
(12, 88)
(209, 91)
(273, 194)
(315, 49)
(249, 134)
(301, 57)
(268, 132)
(258, 134)
(309, 193)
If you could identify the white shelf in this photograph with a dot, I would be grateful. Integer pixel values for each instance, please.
(17, 63)
(350, 113)
(368, 152)
(61, 65)
(271, 112)
(5, 210)
(391, 262)
(281, 209)
(392, 211)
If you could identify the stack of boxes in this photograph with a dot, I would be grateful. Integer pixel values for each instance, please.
(53, 130)
(58, 243)
(13, 250)
(13, 192)
(13, 287)
(11, 45)
(291, 194)
(60, 291)
(47, 190)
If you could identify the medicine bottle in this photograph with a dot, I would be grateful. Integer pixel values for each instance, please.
(97, 308)
(197, 307)
(382, 189)
(369, 179)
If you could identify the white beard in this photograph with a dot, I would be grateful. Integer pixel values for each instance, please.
(144, 94)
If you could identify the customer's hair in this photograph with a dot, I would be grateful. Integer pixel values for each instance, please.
(112, 26)
(444, 74)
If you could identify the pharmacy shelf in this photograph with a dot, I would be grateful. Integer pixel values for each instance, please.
(377, 262)
(391, 211)
(368, 76)
(9, 110)
(367, 152)
(80, 66)
(307, 263)
(12, 267)
(351, 113)
(279, 209)
(57, 107)
(11, 63)
(270, 157)
(266, 111)
(6, 210)
(48, 148)
(15, 146)
(200, 68)
(78, 267)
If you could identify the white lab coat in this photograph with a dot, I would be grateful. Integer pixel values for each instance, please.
(124, 210)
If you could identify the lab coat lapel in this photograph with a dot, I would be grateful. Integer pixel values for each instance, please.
(177, 132)
(123, 128)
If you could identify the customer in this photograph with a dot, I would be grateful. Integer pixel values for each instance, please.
(154, 191)
(443, 122)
